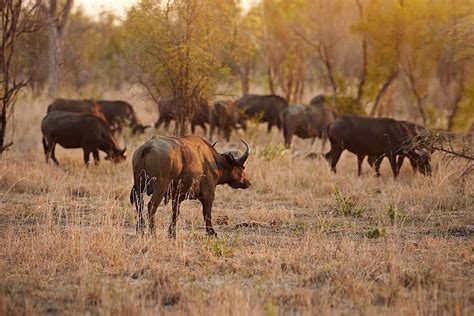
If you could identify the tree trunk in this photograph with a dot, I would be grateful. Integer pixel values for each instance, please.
(323, 54)
(383, 88)
(360, 86)
(54, 53)
(363, 73)
(454, 110)
(245, 80)
(56, 32)
(271, 82)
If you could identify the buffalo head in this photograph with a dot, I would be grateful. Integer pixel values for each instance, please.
(234, 168)
(117, 155)
(423, 159)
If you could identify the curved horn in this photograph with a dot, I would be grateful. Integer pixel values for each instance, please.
(242, 159)
(124, 150)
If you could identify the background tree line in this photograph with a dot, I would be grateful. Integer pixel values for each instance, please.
(410, 59)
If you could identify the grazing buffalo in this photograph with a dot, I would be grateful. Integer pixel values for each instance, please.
(167, 107)
(225, 116)
(376, 137)
(412, 133)
(305, 122)
(183, 168)
(77, 106)
(267, 108)
(79, 130)
(119, 113)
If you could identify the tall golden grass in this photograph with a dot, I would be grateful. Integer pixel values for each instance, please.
(301, 240)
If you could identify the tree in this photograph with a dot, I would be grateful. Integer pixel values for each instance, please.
(179, 47)
(243, 58)
(323, 26)
(17, 18)
(285, 53)
(382, 30)
(58, 18)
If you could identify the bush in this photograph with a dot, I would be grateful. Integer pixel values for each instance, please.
(375, 233)
(347, 205)
(272, 151)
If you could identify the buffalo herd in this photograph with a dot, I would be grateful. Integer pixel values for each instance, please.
(179, 168)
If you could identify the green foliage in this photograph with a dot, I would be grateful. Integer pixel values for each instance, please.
(273, 151)
(374, 233)
(221, 247)
(419, 39)
(393, 213)
(179, 47)
(346, 105)
(465, 115)
(347, 205)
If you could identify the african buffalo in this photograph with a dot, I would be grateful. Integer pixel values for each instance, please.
(79, 130)
(77, 106)
(183, 168)
(119, 113)
(225, 116)
(167, 107)
(376, 137)
(420, 163)
(304, 122)
(266, 108)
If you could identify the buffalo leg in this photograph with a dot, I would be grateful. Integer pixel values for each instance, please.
(393, 164)
(400, 160)
(46, 150)
(95, 153)
(333, 156)
(288, 136)
(203, 126)
(323, 142)
(413, 164)
(139, 205)
(360, 159)
(53, 153)
(269, 128)
(206, 212)
(174, 218)
(87, 154)
(377, 164)
(153, 206)
(211, 131)
(227, 132)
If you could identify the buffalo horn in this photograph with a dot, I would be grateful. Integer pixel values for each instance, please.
(242, 159)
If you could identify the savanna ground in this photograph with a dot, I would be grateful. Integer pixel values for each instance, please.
(301, 240)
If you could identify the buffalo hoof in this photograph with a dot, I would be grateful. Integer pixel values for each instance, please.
(172, 232)
(211, 232)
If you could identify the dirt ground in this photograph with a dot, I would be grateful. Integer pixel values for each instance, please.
(301, 240)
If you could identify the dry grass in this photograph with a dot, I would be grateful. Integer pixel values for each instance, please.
(301, 240)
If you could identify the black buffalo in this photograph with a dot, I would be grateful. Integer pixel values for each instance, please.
(168, 106)
(266, 108)
(120, 113)
(77, 106)
(79, 130)
(376, 137)
(225, 117)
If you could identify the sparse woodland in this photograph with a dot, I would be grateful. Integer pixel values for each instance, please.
(301, 240)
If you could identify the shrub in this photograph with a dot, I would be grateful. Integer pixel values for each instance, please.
(347, 205)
